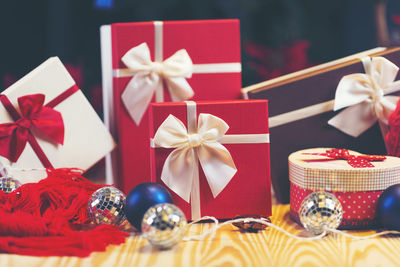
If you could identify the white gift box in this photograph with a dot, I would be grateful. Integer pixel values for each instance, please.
(86, 140)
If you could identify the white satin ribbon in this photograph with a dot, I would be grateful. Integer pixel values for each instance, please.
(200, 143)
(365, 96)
(148, 76)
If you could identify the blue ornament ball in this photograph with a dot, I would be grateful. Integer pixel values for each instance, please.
(388, 208)
(141, 198)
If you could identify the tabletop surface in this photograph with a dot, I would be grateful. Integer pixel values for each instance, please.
(230, 247)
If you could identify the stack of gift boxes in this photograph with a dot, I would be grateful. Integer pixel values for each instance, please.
(173, 102)
(212, 151)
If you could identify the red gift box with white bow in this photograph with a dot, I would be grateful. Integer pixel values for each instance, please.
(156, 62)
(356, 180)
(213, 156)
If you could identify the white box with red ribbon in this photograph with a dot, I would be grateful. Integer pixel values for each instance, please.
(47, 122)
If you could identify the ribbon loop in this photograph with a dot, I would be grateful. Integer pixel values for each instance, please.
(149, 76)
(364, 96)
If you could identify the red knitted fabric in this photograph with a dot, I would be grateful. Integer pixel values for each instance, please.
(393, 136)
(50, 218)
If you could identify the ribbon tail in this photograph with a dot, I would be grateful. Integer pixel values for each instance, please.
(179, 89)
(217, 165)
(17, 144)
(354, 120)
(195, 201)
(138, 94)
(178, 172)
(10, 148)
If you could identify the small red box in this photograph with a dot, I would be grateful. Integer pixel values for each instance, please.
(249, 190)
(214, 49)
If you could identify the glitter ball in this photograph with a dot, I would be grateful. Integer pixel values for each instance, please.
(164, 225)
(9, 184)
(320, 211)
(106, 206)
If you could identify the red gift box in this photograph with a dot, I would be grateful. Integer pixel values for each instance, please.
(213, 46)
(223, 193)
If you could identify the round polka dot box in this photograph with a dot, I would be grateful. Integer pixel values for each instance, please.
(356, 187)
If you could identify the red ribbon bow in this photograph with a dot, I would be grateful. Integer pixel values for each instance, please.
(33, 117)
(361, 161)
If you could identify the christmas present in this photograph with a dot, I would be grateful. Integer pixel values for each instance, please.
(336, 104)
(212, 157)
(356, 180)
(47, 122)
(155, 62)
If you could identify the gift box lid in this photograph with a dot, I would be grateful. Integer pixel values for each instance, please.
(196, 36)
(86, 140)
(324, 76)
(237, 119)
(316, 169)
(315, 70)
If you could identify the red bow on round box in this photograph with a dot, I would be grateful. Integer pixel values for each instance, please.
(361, 161)
(33, 117)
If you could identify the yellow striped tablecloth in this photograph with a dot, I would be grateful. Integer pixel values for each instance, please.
(230, 247)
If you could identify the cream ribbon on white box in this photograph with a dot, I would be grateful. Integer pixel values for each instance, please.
(148, 76)
(364, 96)
(200, 142)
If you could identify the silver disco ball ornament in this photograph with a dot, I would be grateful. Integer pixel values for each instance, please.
(164, 225)
(106, 206)
(320, 211)
(9, 184)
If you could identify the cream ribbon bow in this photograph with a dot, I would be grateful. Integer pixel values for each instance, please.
(149, 76)
(365, 97)
(181, 166)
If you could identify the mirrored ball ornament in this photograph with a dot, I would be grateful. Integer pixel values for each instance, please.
(9, 184)
(164, 225)
(320, 211)
(106, 206)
